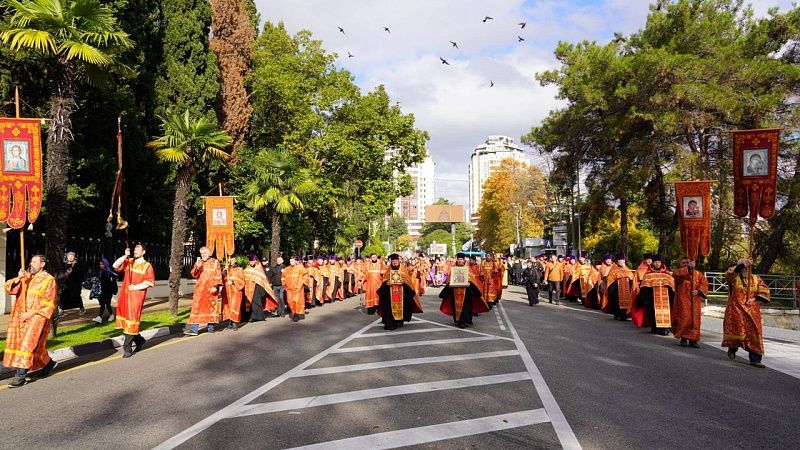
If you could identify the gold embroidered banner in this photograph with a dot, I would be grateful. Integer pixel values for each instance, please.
(20, 171)
(694, 215)
(755, 168)
(219, 225)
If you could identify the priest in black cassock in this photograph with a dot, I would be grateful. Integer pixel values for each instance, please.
(397, 298)
(461, 302)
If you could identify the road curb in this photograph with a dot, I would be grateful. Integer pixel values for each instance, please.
(66, 353)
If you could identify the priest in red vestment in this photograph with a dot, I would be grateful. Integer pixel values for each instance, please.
(138, 277)
(207, 293)
(691, 287)
(233, 295)
(461, 302)
(373, 278)
(29, 325)
(742, 323)
(397, 299)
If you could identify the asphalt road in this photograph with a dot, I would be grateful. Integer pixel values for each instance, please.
(523, 377)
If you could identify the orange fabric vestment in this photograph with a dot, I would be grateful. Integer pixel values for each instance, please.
(232, 294)
(372, 282)
(489, 287)
(359, 274)
(742, 323)
(687, 308)
(314, 284)
(396, 293)
(660, 281)
(624, 289)
(641, 271)
(293, 279)
(26, 342)
(498, 273)
(129, 303)
(206, 294)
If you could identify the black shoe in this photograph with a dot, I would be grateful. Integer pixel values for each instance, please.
(694, 344)
(731, 353)
(17, 382)
(683, 342)
(139, 341)
(46, 370)
(758, 364)
(461, 325)
(127, 353)
(295, 319)
(234, 327)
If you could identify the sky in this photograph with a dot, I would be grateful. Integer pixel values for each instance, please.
(455, 103)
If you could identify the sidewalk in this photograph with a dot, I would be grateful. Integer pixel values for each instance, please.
(157, 300)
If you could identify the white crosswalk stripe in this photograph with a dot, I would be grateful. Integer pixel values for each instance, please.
(460, 349)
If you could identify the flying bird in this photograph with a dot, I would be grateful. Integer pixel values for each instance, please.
(454, 44)
(522, 24)
(491, 83)
(520, 39)
(386, 29)
(341, 30)
(487, 18)
(350, 55)
(444, 61)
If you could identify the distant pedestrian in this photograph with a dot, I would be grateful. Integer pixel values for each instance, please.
(532, 278)
(73, 283)
(29, 325)
(104, 287)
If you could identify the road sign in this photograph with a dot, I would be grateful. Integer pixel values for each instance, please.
(358, 244)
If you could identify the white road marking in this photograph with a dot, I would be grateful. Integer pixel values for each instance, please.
(403, 362)
(451, 327)
(204, 424)
(401, 332)
(434, 433)
(415, 344)
(564, 432)
(499, 320)
(414, 321)
(366, 394)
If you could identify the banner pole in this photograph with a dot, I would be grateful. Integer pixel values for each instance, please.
(21, 230)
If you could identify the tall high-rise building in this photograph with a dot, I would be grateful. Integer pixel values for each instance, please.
(485, 159)
(412, 206)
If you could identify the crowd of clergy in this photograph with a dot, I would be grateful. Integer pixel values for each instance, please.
(227, 294)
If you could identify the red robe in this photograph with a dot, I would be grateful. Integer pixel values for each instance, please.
(129, 303)
(372, 282)
(204, 301)
(293, 279)
(26, 342)
(742, 323)
(232, 295)
(457, 297)
(687, 310)
(660, 281)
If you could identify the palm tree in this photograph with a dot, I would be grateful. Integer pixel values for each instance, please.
(280, 182)
(82, 40)
(186, 143)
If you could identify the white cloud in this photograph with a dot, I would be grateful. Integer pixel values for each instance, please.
(455, 103)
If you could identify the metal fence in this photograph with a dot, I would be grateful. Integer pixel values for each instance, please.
(89, 250)
(783, 288)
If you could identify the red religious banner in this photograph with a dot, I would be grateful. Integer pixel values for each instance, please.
(694, 214)
(755, 168)
(219, 225)
(20, 171)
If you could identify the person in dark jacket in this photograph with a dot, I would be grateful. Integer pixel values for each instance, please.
(274, 276)
(516, 271)
(532, 278)
(106, 281)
